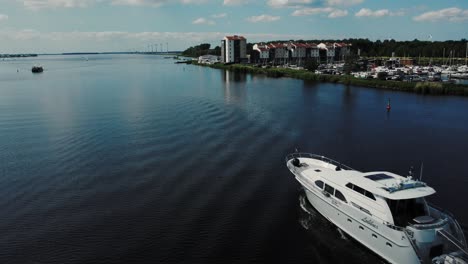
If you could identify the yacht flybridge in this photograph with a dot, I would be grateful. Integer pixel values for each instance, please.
(384, 211)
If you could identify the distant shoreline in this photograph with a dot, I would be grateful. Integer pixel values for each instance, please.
(433, 88)
(170, 53)
(17, 55)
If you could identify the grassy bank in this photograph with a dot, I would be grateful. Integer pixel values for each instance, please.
(415, 87)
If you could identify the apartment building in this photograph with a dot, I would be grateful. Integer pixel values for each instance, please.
(234, 49)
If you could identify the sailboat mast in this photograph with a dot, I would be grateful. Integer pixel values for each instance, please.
(443, 58)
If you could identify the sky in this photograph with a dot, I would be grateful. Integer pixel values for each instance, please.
(54, 26)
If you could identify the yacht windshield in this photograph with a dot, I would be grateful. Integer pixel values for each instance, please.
(404, 211)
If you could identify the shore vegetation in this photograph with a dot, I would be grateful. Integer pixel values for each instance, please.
(433, 88)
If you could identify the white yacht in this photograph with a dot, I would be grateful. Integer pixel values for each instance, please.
(384, 211)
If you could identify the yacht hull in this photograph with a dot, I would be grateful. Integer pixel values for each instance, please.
(361, 231)
(380, 210)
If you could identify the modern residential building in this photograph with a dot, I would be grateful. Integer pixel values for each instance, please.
(299, 53)
(260, 53)
(312, 51)
(233, 49)
(341, 51)
(281, 53)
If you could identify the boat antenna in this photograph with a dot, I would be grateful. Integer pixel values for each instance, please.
(421, 171)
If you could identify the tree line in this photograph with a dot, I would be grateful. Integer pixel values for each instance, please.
(202, 49)
(368, 48)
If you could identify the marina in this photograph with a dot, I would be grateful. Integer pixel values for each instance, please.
(156, 131)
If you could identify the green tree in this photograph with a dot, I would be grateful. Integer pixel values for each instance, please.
(217, 51)
(311, 65)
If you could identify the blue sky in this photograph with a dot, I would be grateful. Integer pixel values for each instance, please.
(42, 26)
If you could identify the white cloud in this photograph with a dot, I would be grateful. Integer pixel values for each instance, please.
(40, 4)
(219, 15)
(43, 4)
(203, 21)
(18, 41)
(330, 11)
(338, 13)
(153, 3)
(366, 12)
(312, 11)
(3, 17)
(452, 14)
(262, 18)
(343, 2)
(234, 2)
(194, 1)
(288, 3)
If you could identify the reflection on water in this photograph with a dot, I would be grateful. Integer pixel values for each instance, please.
(135, 159)
(234, 87)
(328, 240)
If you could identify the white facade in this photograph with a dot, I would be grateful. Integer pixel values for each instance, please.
(233, 49)
(297, 51)
(281, 51)
(314, 53)
(262, 50)
(229, 50)
(208, 59)
(300, 52)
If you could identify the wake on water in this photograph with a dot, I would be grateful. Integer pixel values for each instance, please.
(314, 217)
(322, 232)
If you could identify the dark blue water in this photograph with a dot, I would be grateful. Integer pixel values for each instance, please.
(134, 159)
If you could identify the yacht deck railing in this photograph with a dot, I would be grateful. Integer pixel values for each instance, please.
(457, 230)
(317, 157)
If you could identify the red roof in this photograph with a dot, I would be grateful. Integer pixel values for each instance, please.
(235, 37)
(271, 46)
(300, 45)
(279, 45)
(311, 45)
(342, 45)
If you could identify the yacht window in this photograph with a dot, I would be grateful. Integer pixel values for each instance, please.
(329, 189)
(319, 184)
(404, 211)
(359, 189)
(370, 195)
(340, 196)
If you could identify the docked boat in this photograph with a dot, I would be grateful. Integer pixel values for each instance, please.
(37, 69)
(384, 211)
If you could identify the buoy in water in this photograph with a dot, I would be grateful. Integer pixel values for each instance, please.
(388, 105)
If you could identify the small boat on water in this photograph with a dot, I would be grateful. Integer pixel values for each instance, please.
(37, 69)
(384, 211)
